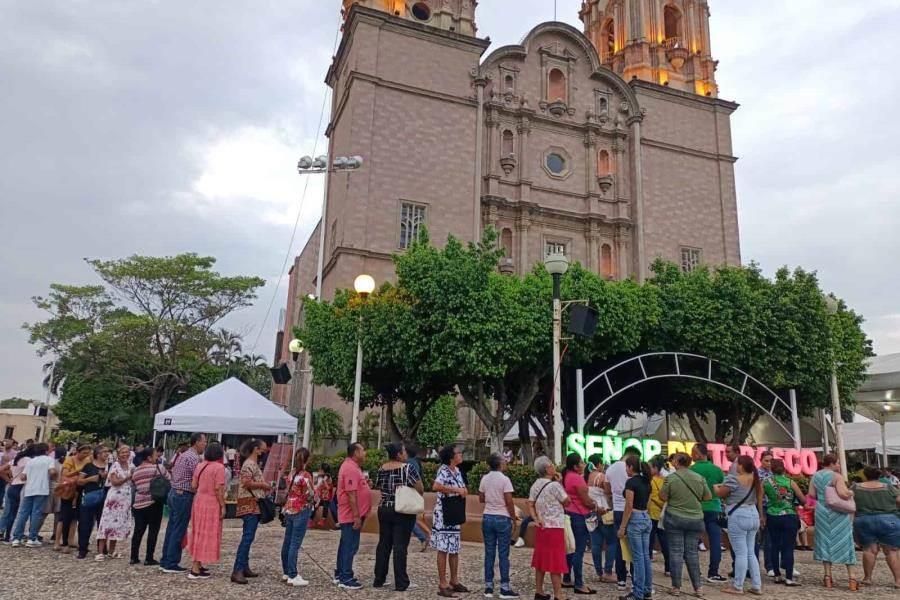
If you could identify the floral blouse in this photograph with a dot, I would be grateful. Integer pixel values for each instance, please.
(246, 499)
(301, 494)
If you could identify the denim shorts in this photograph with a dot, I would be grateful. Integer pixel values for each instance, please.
(883, 529)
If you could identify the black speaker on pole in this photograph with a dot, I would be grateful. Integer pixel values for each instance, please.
(281, 374)
(582, 320)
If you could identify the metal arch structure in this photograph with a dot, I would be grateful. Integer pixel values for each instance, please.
(644, 377)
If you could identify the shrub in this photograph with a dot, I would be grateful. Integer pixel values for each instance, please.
(522, 477)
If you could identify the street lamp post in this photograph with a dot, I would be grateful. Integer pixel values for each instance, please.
(306, 166)
(557, 264)
(364, 285)
(833, 308)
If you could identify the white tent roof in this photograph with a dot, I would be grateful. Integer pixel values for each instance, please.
(229, 407)
(864, 435)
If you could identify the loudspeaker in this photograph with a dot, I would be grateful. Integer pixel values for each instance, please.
(582, 320)
(281, 374)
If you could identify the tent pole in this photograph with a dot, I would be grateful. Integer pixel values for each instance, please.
(154, 439)
(884, 450)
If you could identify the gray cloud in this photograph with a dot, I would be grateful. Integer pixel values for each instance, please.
(165, 127)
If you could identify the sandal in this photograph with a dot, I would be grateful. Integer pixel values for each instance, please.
(864, 582)
(585, 592)
(675, 592)
(828, 582)
(446, 593)
(459, 588)
(853, 585)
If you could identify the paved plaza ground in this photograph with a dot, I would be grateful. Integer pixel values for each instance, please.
(41, 574)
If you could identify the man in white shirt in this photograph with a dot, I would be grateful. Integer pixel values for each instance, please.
(616, 476)
(37, 477)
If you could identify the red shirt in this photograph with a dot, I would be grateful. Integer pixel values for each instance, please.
(351, 479)
(298, 493)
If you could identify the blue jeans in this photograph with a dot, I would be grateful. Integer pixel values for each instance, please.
(31, 509)
(179, 516)
(638, 534)
(576, 559)
(10, 509)
(743, 524)
(659, 534)
(497, 531)
(347, 549)
(419, 532)
(248, 534)
(604, 534)
(714, 533)
(294, 532)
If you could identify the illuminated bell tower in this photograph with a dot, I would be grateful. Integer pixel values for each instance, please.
(449, 15)
(663, 41)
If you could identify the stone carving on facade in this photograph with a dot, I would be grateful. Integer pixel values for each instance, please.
(508, 163)
(605, 182)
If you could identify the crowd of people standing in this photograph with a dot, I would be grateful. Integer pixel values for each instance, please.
(622, 511)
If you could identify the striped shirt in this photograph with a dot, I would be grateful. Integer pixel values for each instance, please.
(141, 478)
(183, 469)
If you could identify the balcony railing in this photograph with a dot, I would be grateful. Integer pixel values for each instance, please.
(673, 42)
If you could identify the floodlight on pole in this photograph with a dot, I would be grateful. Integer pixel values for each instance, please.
(308, 166)
(364, 285)
(557, 264)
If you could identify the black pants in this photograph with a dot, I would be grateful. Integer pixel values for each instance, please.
(394, 530)
(783, 529)
(68, 514)
(87, 518)
(146, 519)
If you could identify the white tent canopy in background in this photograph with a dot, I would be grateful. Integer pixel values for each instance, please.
(866, 435)
(230, 407)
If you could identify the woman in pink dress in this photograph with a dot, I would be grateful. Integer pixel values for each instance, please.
(205, 537)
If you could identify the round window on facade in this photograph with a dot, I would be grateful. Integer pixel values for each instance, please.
(556, 164)
(421, 11)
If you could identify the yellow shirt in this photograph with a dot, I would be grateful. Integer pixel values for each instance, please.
(655, 506)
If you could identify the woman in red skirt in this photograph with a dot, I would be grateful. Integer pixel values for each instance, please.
(545, 505)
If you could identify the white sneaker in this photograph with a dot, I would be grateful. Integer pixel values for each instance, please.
(796, 573)
(702, 547)
(100, 557)
(33, 544)
(770, 573)
(16, 543)
(298, 581)
(520, 543)
(285, 578)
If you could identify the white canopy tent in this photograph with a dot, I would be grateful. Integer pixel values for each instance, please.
(230, 407)
(878, 399)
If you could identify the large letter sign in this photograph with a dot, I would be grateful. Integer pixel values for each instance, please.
(610, 446)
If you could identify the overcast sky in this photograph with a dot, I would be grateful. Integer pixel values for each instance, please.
(160, 127)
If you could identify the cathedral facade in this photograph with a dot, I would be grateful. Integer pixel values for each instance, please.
(609, 144)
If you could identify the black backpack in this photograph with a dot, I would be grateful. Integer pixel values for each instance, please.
(159, 487)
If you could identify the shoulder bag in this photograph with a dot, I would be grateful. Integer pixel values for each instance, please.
(834, 501)
(722, 518)
(160, 486)
(453, 509)
(407, 500)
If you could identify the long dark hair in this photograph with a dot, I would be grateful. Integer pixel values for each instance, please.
(28, 452)
(746, 463)
(642, 469)
(572, 461)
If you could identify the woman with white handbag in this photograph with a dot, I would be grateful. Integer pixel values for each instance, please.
(401, 500)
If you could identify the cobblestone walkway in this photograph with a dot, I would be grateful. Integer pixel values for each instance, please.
(41, 574)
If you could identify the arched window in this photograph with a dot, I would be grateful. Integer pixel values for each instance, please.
(603, 167)
(556, 86)
(506, 242)
(607, 40)
(607, 268)
(509, 84)
(604, 106)
(672, 19)
(507, 146)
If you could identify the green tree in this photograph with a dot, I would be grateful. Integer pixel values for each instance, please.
(327, 423)
(776, 330)
(440, 425)
(151, 327)
(17, 403)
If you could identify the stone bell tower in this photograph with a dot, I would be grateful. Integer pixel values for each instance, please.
(662, 41)
(450, 15)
